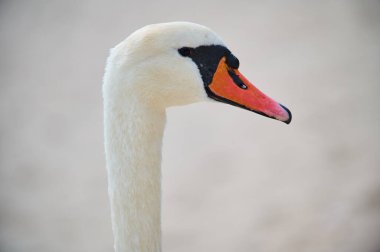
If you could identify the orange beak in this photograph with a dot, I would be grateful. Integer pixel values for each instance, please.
(230, 86)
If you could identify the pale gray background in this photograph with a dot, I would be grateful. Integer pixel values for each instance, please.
(232, 180)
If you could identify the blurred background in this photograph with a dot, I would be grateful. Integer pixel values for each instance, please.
(232, 180)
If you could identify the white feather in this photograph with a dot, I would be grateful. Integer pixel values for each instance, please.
(144, 75)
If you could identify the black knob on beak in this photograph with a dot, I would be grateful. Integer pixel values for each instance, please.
(232, 61)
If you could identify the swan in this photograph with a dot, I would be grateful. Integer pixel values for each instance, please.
(159, 66)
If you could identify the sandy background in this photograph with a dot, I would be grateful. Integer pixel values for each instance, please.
(232, 180)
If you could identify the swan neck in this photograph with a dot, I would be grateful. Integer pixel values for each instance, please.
(133, 140)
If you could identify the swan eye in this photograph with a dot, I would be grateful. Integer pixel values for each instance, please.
(185, 51)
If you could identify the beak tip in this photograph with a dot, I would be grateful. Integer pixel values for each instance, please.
(289, 114)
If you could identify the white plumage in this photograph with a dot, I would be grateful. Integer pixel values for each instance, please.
(157, 67)
(143, 76)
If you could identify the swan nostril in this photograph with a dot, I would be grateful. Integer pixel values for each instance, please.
(237, 80)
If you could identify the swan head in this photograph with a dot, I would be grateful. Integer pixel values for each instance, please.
(178, 63)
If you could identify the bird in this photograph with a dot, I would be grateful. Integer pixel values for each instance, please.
(156, 67)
